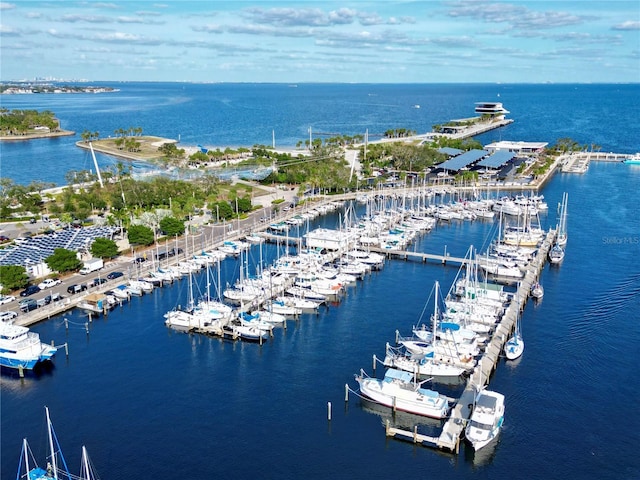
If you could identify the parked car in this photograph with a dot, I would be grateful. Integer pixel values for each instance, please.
(97, 281)
(113, 275)
(76, 288)
(49, 283)
(6, 299)
(7, 316)
(44, 301)
(30, 290)
(28, 304)
(139, 260)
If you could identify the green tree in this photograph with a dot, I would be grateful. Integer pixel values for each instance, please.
(172, 226)
(224, 210)
(140, 235)
(244, 205)
(104, 248)
(13, 277)
(63, 260)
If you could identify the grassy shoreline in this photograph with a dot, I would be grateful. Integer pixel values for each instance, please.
(148, 148)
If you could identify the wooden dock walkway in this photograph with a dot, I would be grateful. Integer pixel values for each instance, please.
(423, 257)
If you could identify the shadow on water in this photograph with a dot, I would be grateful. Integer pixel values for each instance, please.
(10, 378)
(482, 457)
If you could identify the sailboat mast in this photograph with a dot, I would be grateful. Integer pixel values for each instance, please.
(25, 449)
(86, 472)
(51, 444)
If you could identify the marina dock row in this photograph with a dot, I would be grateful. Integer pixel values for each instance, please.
(453, 429)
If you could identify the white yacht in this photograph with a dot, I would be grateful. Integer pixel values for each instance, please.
(486, 419)
(20, 348)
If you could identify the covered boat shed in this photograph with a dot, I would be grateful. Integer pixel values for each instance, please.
(497, 160)
(462, 161)
(450, 152)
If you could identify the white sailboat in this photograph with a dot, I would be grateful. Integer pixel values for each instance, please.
(514, 347)
(56, 467)
(436, 360)
(537, 291)
(400, 390)
(556, 254)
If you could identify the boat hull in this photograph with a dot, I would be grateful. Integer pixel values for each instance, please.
(410, 401)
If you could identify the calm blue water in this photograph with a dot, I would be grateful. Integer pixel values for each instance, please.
(150, 403)
(219, 115)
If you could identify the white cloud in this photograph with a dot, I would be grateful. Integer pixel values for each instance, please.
(628, 25)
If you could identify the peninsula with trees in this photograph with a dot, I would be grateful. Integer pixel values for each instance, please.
(29, 124)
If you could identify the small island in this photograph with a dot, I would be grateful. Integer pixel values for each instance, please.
(29, 124)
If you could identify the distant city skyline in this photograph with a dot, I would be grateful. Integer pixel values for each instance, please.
(303, 41)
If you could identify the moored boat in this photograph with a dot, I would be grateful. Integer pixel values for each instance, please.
(56, 467)
(20, 348)
(556, 254)
(633, 159)
(486, 420)
(537, 291)
(399, 390)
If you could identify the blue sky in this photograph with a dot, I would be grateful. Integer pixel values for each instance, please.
(322, 41)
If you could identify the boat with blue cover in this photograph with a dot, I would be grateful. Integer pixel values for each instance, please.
(400, 390)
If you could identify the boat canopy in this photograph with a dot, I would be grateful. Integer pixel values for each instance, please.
(449, 326)
(393, 374)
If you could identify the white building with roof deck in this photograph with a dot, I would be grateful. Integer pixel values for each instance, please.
(494, 109)
(519, 148)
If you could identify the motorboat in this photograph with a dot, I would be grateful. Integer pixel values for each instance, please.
(633, 159)
(400, 390)
(486, 419)
(20, 348)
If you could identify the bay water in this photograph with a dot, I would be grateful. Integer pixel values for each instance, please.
(151, 403)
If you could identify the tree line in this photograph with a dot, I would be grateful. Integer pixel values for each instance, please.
(22, 122)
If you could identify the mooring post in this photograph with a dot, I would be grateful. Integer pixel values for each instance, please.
(346, 392)
(329, 411)
(66, 324)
